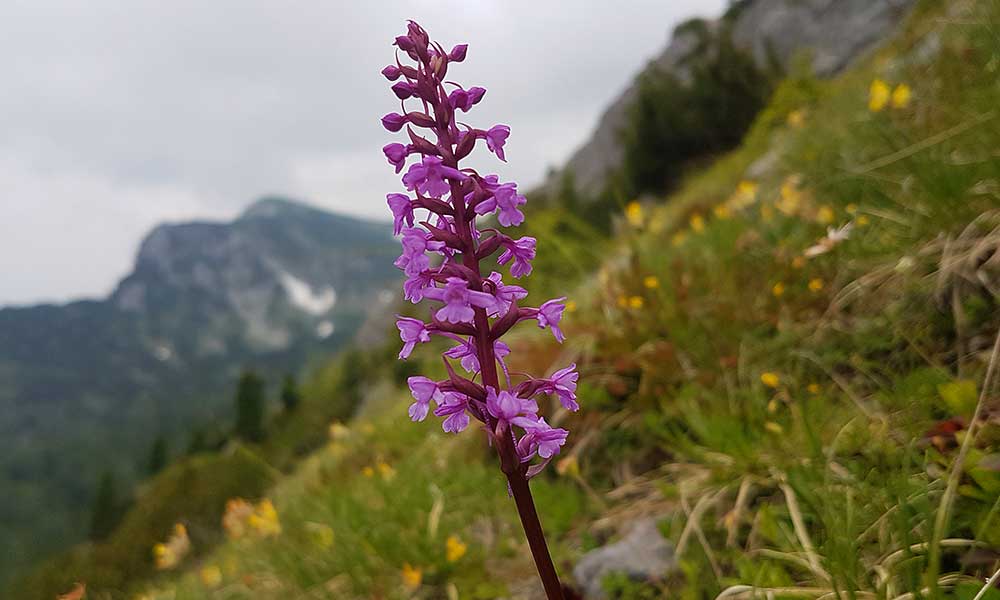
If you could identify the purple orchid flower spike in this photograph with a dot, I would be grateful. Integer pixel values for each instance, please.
(445, 255)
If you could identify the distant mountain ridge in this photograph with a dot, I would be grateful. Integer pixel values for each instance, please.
(86, 385)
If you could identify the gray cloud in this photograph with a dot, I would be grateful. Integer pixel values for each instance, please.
(118, 115)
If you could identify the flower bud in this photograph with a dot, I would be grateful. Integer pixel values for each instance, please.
(391, 72)
(405, 44)
(457, 53)
(403, 90)
(393, 121)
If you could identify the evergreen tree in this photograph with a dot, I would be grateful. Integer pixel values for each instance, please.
(157, 456)
(290, 396)
(104, 515)
(197, 443)
(250, 407)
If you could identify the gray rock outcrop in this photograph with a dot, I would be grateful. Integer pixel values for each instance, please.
(643, 555)
(836, 31)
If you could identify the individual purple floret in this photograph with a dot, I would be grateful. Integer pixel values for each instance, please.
(447, 252)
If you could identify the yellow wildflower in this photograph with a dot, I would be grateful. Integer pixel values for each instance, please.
(571, 306)
(813, 388)
(770, 379)
(264, 519)
(798, 262)
(678, 238)
(338, 431)
(634, 214)
(367, 471)
(322, 534)
(901, 96)
(651, 281)
(386, 471)
(697, 223)
(774, 427)
(454, 548)
(825, 215)
(878, 95)
(412, 577)
(169, 554)
(635, 302)
(796, 118)
(622, 301)
(851, 208)
(778, 289)
(211, 576)
(861, 221)
(745, 195)
(569, 466)
(815, 284)
(721, 211)
(235, 518)
(791, 197)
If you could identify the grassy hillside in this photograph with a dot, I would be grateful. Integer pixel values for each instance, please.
(788, 361)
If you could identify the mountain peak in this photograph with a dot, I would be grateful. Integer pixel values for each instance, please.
(273, 206)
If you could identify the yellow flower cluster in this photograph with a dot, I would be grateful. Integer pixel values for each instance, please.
(770, 379)
(697, 223)
(881, 95)
(169, 554)
(744, 196)
(790, 198)
(634, 214)
(412, 577)
(384, 469)
(264, 519)
(241, 517)
(454, 548)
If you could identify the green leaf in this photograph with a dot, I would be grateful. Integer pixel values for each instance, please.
(960, 396)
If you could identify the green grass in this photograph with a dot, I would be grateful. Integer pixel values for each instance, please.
(387, 494)
(866, 347)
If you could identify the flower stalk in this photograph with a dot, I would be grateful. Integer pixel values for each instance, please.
(443, 258)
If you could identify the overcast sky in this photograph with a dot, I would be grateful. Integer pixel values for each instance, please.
(118, 115)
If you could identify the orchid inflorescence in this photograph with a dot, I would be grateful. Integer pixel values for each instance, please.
(476, 309)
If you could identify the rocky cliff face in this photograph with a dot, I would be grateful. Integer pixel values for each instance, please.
(835, 31)
(256, 282)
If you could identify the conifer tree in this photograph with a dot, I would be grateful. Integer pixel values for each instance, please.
(104, 515)
(250, 407)
(157, 456)
(290, 396)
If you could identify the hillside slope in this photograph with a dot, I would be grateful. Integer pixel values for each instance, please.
(772, 31)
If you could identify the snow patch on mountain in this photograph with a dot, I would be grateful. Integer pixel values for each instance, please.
(309, 300)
